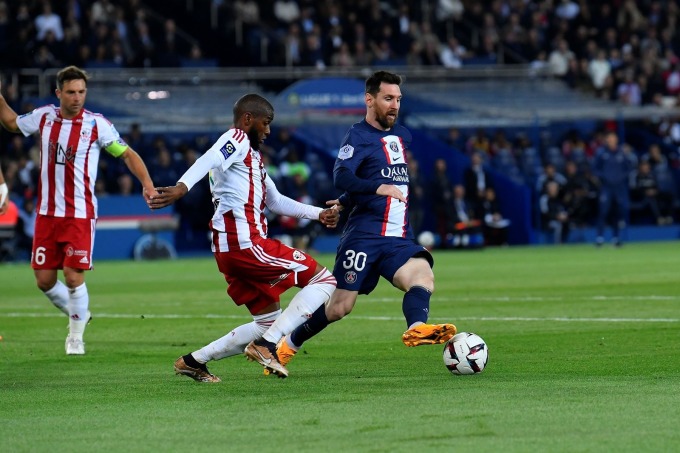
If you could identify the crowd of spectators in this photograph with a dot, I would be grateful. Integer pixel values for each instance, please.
(47, 34)
(567, 177)
(622, 50)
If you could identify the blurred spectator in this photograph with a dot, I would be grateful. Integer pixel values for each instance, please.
(567, 10)
(46, 21)
(126, 185)
(416, 200)
(464, 228)
(599, 70)
(453, 54)
(291, 168)
(343, 57)
(644, 195)
(554, 215)
(476, 180)
(579, 196)
(25, 228)
(612, 166)
(455, 139)
(550, 174)
(441, 194)
(629, 91)
(560, 58)
(170, 48)
(495, 225)
(286, 11)
(479, 143)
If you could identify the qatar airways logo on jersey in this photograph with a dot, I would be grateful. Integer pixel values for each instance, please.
(396, 174)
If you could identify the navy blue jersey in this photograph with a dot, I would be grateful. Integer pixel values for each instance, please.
(376, 157)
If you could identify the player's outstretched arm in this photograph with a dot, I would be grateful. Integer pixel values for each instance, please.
(136, 165)
(8, 117)
(167, 195)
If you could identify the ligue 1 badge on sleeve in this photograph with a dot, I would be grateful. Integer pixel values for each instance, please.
(346, 152)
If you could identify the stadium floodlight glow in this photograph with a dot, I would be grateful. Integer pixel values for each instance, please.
(155, 95)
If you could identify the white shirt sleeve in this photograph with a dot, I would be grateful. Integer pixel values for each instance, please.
(282, 205)
(223, 153)
(107, 132)
(200, 168)
(29, 123)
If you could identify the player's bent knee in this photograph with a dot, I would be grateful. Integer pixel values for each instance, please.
(45, 282)
(337, 312)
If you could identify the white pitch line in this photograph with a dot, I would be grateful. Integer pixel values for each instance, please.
(364, 318)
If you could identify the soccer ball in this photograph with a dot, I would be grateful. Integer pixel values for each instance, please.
(426, 239)
(466, 353)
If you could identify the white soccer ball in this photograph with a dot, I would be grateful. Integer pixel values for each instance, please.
(466, 353)
(426, 239)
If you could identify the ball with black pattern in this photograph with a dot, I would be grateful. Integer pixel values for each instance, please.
(466, 353)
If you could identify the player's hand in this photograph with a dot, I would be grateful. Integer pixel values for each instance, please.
(330, 217)
(149, 194)
(389, 190)
(335, 203)
(165, 196)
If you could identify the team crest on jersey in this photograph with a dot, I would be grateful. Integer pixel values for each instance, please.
(298, 255)
(85, 135)
(227, 150)
(350, 277)
(69, 251)
(346, 152)
(396, 150)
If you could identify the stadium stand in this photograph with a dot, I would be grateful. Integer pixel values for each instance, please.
(538, 80)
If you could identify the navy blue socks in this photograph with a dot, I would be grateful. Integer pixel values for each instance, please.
(311, 327)
(416, 305)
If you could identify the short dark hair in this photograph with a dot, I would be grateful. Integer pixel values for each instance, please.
(71, 73)
(252, 103)
(373, 82)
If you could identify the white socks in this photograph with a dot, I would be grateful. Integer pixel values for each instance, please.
(272, 326)
(236, 341)
(78, 303)
(303, 305)
(59, 296)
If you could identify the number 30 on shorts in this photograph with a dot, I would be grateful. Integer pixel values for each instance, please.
(354, 260)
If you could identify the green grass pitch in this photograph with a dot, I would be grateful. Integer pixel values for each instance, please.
(584, 357)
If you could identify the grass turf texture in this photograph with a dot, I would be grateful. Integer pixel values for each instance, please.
(584, 356)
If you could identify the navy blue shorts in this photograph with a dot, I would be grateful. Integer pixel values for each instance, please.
(362, 258)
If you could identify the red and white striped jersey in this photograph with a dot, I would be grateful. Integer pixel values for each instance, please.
(239, 190)
(69, 155)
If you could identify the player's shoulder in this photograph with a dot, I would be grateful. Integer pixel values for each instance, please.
(238, 137)
(358, 135)
(96, 118)
(232, 142)
(402, 132)
(42, 110)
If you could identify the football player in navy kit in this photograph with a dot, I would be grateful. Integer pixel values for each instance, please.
(377, 240)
